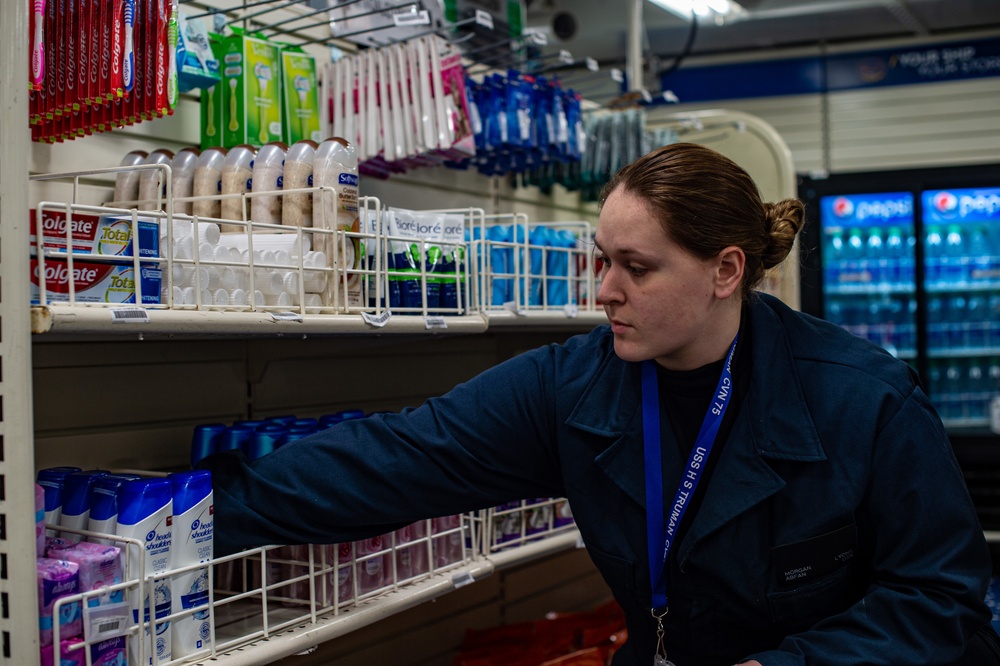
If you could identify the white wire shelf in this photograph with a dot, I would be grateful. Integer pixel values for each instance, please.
(151, 270)
(307, 595)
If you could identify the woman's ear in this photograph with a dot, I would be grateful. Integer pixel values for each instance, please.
(729, 271)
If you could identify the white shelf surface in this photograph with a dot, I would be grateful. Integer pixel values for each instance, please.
(556, 318)
(86, 320)
(98, 320)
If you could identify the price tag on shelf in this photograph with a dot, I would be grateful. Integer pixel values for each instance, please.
(407, 19)
(435, 322)
(484, 19)
(377, 321)
(572, 310)
(462, 579)
(592, 64)
(129, 316)
(106, 621)
(565, 57)
(511, 306)
(286, 316)
(535, 37)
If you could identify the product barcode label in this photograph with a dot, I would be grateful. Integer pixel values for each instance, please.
(377, 320)
(129, 315)
(435, 322)
(106, 621)
(109, 626)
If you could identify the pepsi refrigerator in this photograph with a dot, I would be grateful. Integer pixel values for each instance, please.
(911, 261)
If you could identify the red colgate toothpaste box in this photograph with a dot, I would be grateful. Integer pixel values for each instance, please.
(108, 235)
(93, 282)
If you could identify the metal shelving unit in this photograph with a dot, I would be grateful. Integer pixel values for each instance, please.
(18, 589)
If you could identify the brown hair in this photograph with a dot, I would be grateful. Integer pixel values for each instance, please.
(706, 202)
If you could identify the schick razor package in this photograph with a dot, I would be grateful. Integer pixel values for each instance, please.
(300, 95)
(251, 81)
(212, 104)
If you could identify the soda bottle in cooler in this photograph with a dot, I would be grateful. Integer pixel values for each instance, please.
(833, 268)
(834, 311)
(894, 312)
(875, 257)
(875, 322)
(935, 384)
(993, 320)
(855, 259)
(977, 400)
(977, 320)
(933, 256)
(955, 258)
(980, 257)
(935, 323)
(895, 253)
(954, 390)
(956, 320)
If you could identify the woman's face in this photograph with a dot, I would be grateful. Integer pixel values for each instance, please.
(663, 302)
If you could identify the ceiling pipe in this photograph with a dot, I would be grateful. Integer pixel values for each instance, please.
(633, 56)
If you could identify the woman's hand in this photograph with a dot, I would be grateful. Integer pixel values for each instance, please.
(752, 662)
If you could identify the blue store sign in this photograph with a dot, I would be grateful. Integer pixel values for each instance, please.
(850, 71)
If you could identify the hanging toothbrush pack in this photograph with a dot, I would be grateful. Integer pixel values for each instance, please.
(197, 66)
(251, 69)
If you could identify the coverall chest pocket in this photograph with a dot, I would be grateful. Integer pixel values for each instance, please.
(811, 579)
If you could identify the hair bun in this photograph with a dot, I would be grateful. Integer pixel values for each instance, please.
(784, 219)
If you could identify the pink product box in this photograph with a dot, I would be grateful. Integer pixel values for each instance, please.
(109, 652)
(56, 579)
(99, 566)
(107, 235)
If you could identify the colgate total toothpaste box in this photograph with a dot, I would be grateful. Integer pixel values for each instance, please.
(108, 235)
(93, 282)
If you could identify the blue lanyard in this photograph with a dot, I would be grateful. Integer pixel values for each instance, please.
(662, 529)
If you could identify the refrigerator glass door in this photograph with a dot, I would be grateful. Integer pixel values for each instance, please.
(961, 229)
(868, 249)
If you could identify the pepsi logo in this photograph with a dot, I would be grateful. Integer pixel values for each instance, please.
(945, 202)
(843, 207)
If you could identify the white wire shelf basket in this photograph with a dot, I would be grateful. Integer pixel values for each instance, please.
(264, 596)
(513, 526)
(457, 270)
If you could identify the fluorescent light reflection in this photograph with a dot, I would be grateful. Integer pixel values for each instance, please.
(700, 8)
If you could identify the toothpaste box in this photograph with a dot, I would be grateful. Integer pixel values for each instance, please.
(108, 235)
(94, 282)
